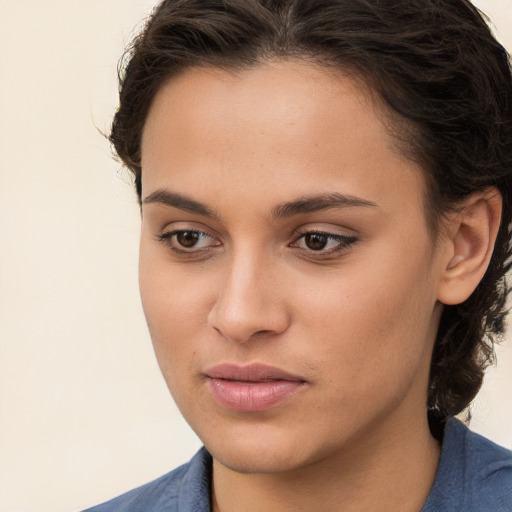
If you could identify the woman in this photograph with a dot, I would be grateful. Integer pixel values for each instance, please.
(326, 207)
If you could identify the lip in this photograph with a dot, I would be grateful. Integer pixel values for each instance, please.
(252, 388)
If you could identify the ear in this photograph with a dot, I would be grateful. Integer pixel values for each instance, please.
(472, 233)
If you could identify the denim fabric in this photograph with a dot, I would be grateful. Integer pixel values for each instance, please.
(474, 475)
(186, 489)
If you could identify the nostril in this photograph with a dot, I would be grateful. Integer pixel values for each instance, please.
(239, 334)
(262, 332)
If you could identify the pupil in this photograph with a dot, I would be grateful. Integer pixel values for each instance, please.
(187, 238)
(316, 242)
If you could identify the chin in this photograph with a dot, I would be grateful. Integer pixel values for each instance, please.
(264, 459)
(264, 450)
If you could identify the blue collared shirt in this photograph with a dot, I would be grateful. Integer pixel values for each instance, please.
(474, 475)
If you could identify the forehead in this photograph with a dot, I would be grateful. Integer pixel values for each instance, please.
(286, 126)
(288, 98)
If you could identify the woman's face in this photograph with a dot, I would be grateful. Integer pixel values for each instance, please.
(287, 274)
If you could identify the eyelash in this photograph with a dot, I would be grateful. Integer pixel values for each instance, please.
(169, 239)
(343, 242)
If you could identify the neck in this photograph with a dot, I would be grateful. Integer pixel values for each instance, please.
(393, 469)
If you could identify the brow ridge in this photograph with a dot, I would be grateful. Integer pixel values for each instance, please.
(303, 205)
(311, 204)
(179, 201)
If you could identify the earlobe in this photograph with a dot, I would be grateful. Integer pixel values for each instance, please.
(472, 234)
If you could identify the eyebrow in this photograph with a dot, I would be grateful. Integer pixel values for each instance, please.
(180, 202)
(303, 205)
(316, 203)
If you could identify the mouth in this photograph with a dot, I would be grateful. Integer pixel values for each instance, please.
(252, 388)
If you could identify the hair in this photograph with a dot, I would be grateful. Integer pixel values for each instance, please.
(443, 79)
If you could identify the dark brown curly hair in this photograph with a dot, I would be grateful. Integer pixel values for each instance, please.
(444, 80)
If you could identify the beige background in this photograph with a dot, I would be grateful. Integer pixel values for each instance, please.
(84, 413)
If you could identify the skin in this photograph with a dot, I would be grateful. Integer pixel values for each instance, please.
(356, 319)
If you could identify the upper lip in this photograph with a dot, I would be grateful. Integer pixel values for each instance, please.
(254, 372)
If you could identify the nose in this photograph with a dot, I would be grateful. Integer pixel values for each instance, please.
(249, 302)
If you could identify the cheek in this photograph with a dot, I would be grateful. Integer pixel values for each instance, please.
(173, 303)
(373, 330)
(166, 305)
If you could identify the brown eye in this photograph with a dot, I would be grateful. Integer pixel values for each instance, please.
(188, 239)
(324, 244)
(315, 241)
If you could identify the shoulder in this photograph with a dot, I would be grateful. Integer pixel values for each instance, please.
(474, 473)
(146, 497)
(489, 473)
(185, 488)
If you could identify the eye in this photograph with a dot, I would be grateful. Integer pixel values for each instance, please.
(323, 243)
(188, 241)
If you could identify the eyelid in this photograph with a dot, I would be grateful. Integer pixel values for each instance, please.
(167, 235)
(174, 232)
(327, 230)
(342, 241)
(345, 242)
(179, 226)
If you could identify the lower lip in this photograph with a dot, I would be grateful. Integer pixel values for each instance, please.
(253, 396)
